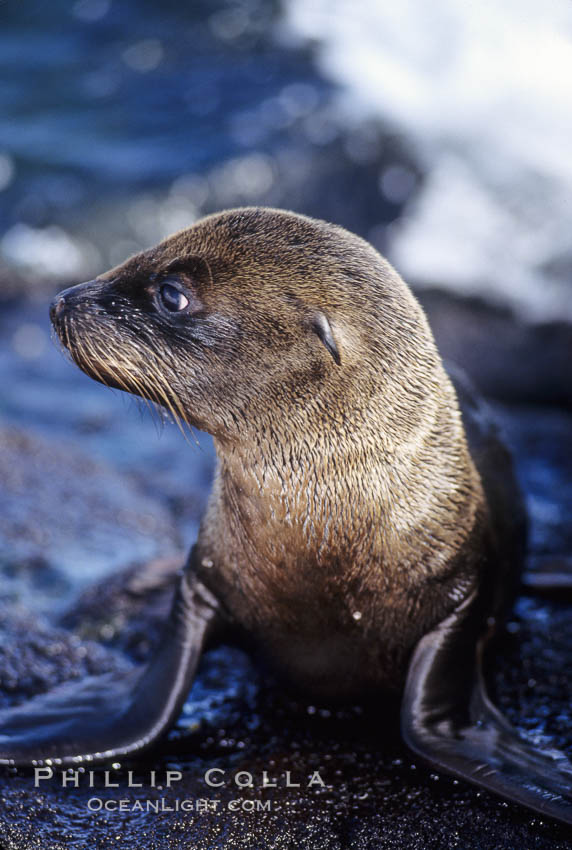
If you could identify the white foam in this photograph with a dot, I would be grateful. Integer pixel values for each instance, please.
(482, 92)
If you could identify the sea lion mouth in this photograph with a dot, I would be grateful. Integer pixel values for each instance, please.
(78, 325)
(68, 314)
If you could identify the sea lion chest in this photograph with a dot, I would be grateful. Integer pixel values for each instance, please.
(312, 586)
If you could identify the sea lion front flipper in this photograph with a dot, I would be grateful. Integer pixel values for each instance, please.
(115, 714)
(448, 719)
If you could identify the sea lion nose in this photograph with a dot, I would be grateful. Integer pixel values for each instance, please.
(57, 307)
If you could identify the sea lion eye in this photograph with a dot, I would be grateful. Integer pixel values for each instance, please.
(172, 299)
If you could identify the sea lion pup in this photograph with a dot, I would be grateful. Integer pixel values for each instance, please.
(350, 532)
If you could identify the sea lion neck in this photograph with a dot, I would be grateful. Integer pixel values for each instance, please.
(282, 474)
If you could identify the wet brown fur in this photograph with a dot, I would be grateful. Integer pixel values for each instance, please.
(347, 517)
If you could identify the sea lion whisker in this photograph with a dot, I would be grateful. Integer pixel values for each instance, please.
(92, 356)
(149, 388)
(173, 403)
(141, 397)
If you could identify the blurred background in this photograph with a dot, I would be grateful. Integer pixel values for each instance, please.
(440, 132)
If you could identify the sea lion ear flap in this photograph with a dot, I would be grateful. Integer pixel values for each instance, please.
(321, 326)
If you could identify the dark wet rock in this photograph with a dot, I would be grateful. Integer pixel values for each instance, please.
(532, 671)
(66, 519)
(337, 178)
(127, 611)
(506, 358)
(35, 656)
(374, 795)
(540, 442)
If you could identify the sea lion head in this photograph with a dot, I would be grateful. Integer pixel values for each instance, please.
(253, 319)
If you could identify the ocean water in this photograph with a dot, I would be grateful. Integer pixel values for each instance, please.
(114, 114)
(441, 133)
